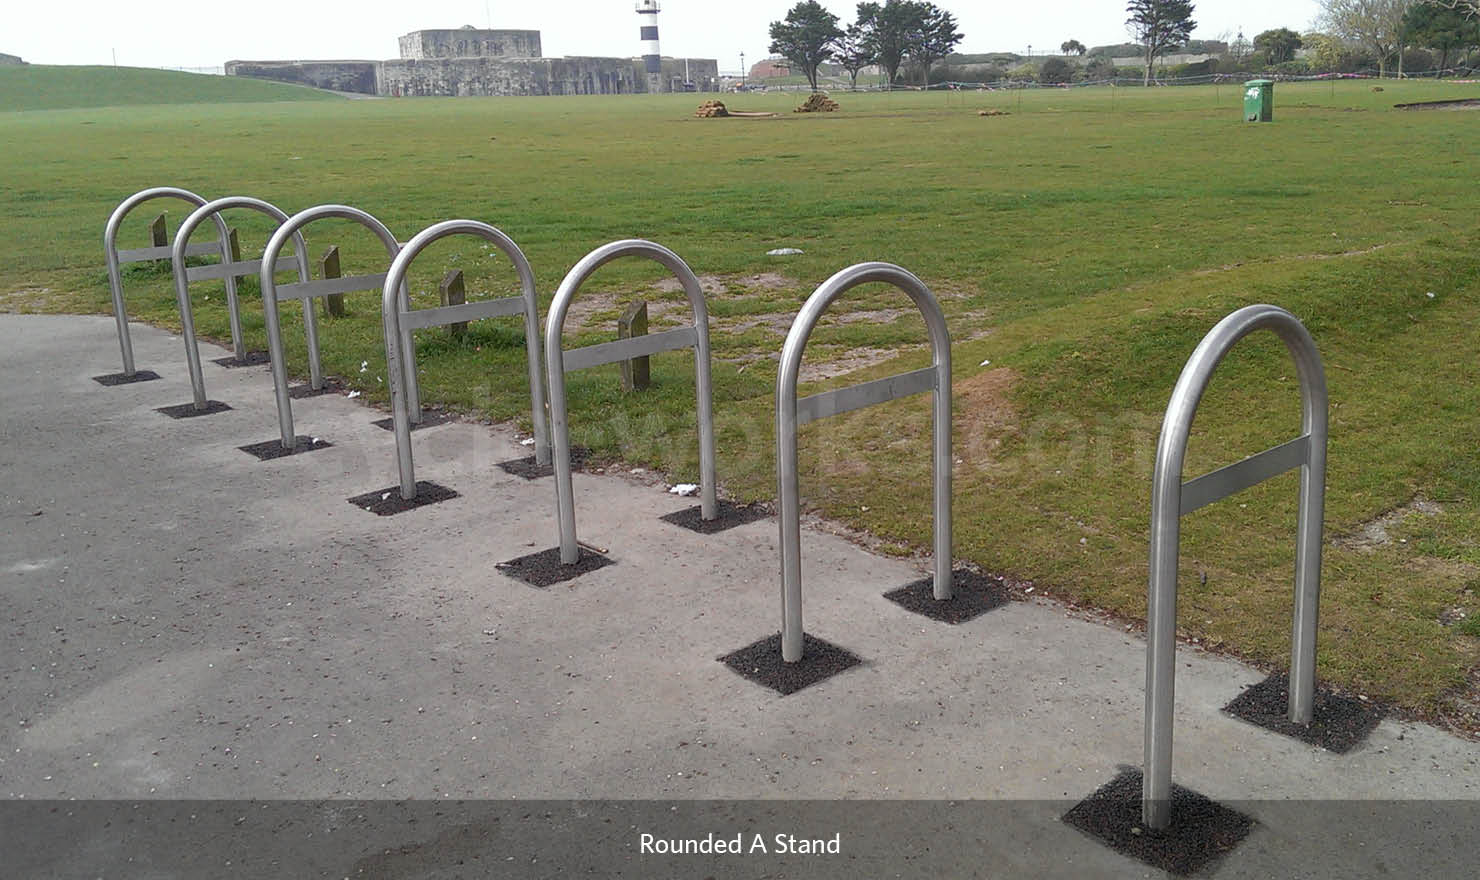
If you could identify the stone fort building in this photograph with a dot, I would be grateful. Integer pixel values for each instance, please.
(472, 61)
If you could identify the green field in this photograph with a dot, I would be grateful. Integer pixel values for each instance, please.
(1082, 244)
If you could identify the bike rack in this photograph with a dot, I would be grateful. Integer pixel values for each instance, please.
(558, 362)
(306, 291)
(1171, 498)
(399, 319)
(116, 258)
(792, 413)
(186, 274)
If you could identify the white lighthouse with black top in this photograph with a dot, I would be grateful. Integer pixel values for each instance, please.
(652, 59)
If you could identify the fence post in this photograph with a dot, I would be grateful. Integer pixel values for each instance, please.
(329, 268)
(234, 245)
(634, 322)
(159, 236)
(454, 294)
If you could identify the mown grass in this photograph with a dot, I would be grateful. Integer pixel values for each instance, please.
(49, 87)
(1082, 244)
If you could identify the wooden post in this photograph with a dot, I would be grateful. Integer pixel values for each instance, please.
(634, 322)
(159, 236)
(453, 294)
(233, 245)
(329, 268)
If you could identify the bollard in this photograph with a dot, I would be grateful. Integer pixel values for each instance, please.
(329, 268)
(634, 322)
(454, 294)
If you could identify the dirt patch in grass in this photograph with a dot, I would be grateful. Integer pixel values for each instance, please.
(1455, 104)
(855, 359)
(713, 285)
(1375, 533)
(591, 309)
(983, 411)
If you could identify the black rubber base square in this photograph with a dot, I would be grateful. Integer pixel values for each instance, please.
(429, 419)
(543, 569)
(762, 663)
(253, 359)
(1200, 831)
(113, 379)
(188, 410)
(727, 516)
(267, 450)
(1338, 724)
(526, 467)
(388, 502)
(300, 392)
(972, 595)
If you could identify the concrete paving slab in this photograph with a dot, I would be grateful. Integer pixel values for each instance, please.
(184, 622)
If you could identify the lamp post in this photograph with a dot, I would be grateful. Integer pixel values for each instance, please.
(742, 68)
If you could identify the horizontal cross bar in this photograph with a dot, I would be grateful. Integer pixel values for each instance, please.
(841, 400)
(444, 315)
(326, 286)
(1204, 490)
(164, 252)
(627, 349)
(235, 270)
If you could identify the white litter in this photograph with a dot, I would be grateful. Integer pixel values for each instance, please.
(364, 365)
(384, 495)
(784, 252)
(352, 395)
(1431, 294)
(684, 489)
(527, 441)
(986, 363)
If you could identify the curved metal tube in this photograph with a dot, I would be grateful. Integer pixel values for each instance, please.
(275, 245)
(697, 336)
(401, 359)
(182, 275)
(1168, 496)
(115, 275)
(787, 422)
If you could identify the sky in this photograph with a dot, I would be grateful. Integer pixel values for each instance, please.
(173, 33)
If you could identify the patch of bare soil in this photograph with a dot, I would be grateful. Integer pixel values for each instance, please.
(983, 411)
(1374, 533)
(589, 303)
(855, 359)
(1454, 104)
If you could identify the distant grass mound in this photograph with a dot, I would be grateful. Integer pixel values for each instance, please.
(48, 87)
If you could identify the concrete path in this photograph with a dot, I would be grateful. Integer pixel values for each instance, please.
(184, 622)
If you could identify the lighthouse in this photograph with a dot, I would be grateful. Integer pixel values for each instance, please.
(652, 61)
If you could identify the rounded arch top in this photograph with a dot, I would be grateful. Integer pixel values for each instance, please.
(115, 220)
(631, 247)
(841, 282)
(214, 209)
(295, 224)
(401, 264)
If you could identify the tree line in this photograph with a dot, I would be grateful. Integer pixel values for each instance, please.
(888, 34)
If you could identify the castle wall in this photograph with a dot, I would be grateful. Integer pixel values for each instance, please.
(470, 43)
(341, 76)
(10, 59)
(494, 76)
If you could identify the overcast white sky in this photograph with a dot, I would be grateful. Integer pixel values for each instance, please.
(177, 33)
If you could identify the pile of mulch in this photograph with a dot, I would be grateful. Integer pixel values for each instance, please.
(711, 109)
(818, 103)
(991, 112)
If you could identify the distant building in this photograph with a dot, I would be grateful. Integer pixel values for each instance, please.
(770, 67)
(474, 61)
(10, 59)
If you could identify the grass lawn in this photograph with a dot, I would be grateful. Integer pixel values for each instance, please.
(1082, 244)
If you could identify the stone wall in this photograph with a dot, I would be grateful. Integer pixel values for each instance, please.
(10, 59)
(495, 76)
(470, 43)
(341, 76)
(703, 73)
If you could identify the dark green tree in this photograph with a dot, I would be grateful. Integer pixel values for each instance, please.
(852, 52)
(1278, 45)
(886, 30)
(1439, 27)
(1072, 47)
(806, 38)
(1056, 70)
(933, 37)
(1159, 26)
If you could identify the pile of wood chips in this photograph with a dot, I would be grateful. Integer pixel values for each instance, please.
(991, 112)
(711, 109)
(818, 103)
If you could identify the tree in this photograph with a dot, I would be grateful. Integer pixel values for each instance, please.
(1440, 27)
(851, 51)
(1056, 70)
(1376, 24)
(1159, 26)
(806, 37)
(1072, 47)
(1278, 45)
(1239, 49)
(886, 30)
(933, 37)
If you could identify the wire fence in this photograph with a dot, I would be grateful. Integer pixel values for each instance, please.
(1461, 75)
